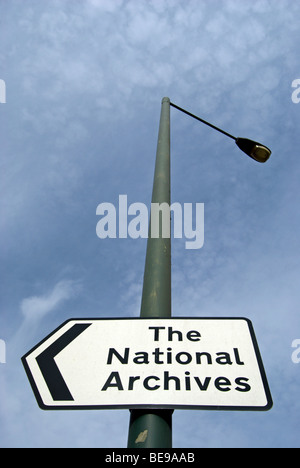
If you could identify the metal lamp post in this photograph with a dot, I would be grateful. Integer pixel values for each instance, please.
(149, 429)
(153, 428)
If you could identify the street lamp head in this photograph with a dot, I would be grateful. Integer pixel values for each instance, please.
(255, 150)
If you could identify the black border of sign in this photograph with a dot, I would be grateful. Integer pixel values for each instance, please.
(41, 404)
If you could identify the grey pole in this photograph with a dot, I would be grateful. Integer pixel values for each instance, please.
(153, 428)
(156, 297)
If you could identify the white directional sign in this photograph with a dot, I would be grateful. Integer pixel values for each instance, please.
(187, 363)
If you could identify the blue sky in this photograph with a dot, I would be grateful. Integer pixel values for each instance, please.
(84, 83)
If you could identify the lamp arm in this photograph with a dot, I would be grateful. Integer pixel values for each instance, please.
(203, 121)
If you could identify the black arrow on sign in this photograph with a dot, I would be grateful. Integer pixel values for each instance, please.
(51, 373)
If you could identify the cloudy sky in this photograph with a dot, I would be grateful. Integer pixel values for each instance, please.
(84, 82)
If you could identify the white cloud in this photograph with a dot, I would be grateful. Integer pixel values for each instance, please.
(106, 5)
(36, 307)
